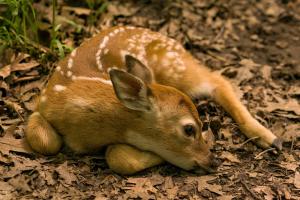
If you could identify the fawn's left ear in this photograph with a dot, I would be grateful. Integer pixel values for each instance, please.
(131, 90)
(137, 68)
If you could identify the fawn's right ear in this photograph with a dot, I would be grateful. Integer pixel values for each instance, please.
(137, 68)
(131, 90)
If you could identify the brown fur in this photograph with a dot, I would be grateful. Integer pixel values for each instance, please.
(88, 115)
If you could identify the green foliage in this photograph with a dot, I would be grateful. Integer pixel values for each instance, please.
(18, 24)
(19, 27)
(55, 43)
(98, 7)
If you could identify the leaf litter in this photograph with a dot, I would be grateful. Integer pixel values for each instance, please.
(255, 45)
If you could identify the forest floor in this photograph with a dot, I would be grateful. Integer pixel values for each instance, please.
(255, 44)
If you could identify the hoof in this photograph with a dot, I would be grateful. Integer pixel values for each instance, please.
(277, 143)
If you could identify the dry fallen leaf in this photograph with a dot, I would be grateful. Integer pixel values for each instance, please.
(269, 194)
(290, 105)
(225, 197)
(230, 157)
(9, 143)
(17, 66)
(77, 10)
(139, 188)
(291, 133)
(20, 183)
(297, 180)
(203, 184)
(64, 172)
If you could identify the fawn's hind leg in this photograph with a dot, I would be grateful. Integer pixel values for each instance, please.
(41, 136)
(125, 159)
(222, 92)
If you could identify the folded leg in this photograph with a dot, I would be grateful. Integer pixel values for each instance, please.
(41, 136)
(125, 159)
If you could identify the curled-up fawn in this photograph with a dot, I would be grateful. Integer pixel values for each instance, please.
(129, 89)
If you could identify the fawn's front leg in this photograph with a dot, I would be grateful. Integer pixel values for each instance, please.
(222, 92)
(125, 159)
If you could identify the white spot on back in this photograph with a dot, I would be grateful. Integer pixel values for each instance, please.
(103, 45)
(102, 80)
(70, 63)
(69, 73)
(59, 88)
(105, 51)
(172, 54)
(78, 101)
(73, 54)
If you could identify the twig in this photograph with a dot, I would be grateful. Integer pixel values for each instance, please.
(208, 52)
(219, 34)
(249, 140)
(261, 153)
(292, 145)
(249, 190)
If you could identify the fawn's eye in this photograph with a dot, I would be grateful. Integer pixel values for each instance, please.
(189, 130)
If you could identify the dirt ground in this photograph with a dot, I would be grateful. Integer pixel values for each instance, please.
(256, 44)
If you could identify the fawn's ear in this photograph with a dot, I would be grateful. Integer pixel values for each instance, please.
(131, 91)
(137, 68)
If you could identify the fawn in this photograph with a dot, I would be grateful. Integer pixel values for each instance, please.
(129, 89)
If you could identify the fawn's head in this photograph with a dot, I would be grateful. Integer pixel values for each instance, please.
(168, 123)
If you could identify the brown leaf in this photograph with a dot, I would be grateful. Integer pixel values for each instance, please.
(289, 165)
(203, 183)
(225, 197)
(168, 182)
(294, 90)
(266, 71)
(24, 66)
(297, 180)
(5, 71)
(230, 157)
(268, 193)
(9, 143)
(117, 9)
(77, 10)
(20, 183)
(292, 132)
(5, 186)
(172, 192)
(290, 105)
(139, 188)
(244, 72)
(17, 66)
(64, 172)
(47, 176)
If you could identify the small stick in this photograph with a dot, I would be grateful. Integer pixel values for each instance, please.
(292, 145)
(250, 139)
(250, 191)
(261, 153)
